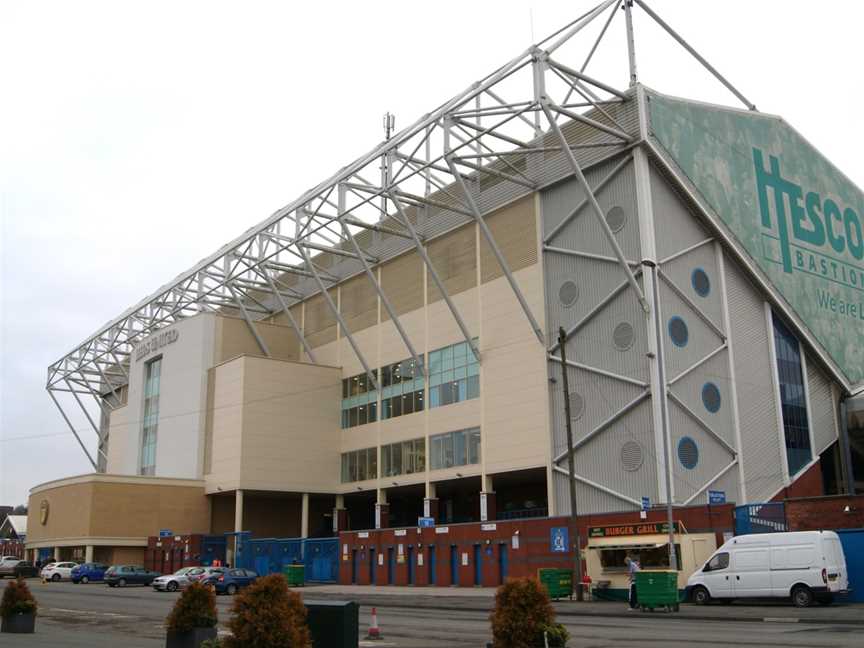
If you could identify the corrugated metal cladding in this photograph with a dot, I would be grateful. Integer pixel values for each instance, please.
(454, 257)
(402, 282)
(515, 232)
(757, 406)
(821, 408)
(358, 303)
(432, 222)
(320, 322)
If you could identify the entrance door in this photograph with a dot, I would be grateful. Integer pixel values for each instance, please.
(373, 573)
(502, 563)
(432, 565)
(410, 559)
(454, 565)
(478, 565)
(353, 566)
(391, 565)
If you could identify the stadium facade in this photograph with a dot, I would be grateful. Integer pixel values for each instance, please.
(387, 347)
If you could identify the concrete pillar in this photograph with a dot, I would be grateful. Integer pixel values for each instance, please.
(56, 554)
(340, 515)
(382, 510)
(304, 516)
(488, 509)
(238, 510)
(88, 553)
(430, 502)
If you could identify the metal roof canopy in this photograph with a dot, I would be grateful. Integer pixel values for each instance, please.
(433, 167)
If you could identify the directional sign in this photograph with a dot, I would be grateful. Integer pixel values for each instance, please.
(646, 503)
(426, 522)
(716, 497)
(165, 533)
(559, 539)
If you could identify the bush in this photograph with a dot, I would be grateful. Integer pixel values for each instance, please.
(196, 608)
(17, 599)
(556, 634)
(268, 615)
(522, 612)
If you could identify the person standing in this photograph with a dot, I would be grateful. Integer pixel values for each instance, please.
(632, 567)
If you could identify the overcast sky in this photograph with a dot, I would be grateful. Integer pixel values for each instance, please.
(137, 138)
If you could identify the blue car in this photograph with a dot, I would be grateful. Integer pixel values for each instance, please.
(89, 572)
(231, 580)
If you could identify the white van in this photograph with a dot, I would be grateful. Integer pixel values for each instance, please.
(804, 565)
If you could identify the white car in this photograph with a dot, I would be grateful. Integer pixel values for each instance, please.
(805, 566)
(177, 580)
(58, 571)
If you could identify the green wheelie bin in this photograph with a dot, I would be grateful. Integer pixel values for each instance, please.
(657, 589)
(295, 575)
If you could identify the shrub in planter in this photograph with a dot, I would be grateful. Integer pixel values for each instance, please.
(522, 612)
(193, 618)
(18, 608)
(556, 635)
(268, 615)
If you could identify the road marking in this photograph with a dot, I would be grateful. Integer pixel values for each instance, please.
(780, 620)
(114, 615)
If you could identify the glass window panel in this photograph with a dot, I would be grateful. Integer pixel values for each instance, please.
(362, 414)
(448, 450)
(344, 389)
(447, 359)
(373, 412)
(418, 401)
(408, 404)
(460, 449)
(352, 417)
(473, 386)
(462, 390)
(460, 373)
(436, 447)
(396, 405)
(434, 397)
(420, 448)
(434, 361)
(397, 460)
(372, 455)
(474, 446)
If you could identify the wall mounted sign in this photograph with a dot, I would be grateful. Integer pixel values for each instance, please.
(488, 527)
(400, 532)
(442, 529)
(643, 528)
(155, 342)
(559, 539)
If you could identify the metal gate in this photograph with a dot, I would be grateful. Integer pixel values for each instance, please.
(270, 555)
(212, 548)
(853, 549)
(321, 557)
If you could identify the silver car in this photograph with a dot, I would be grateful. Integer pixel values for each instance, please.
(177, 580)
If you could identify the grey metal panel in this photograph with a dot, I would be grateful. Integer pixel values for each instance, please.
(677, 228)
(680, 272)
(601, 396)
(713, 457)
(589, 500)
(822, 407)
(689, 391)
(701, 338)
(757, 407)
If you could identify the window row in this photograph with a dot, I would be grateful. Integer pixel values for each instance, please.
(360, 465)
(359, 400)
(403, 458)
(459, 448)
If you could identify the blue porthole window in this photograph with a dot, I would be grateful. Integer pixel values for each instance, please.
(678, 331)
(688, 453)
(711, 397)
(701, 282)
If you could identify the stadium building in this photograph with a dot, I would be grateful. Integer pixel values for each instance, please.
(386, 347)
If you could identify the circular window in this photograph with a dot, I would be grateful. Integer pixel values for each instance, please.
(616, 218)
(711, 397)
(568, 293)
(700, 282)
(631, 456)
(688, 453)
(577, 405)
(622, 336)
(678, 331)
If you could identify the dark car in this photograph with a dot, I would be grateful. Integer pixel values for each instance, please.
(25, 569)
(89, 572)
(123, 575)
(231, 580)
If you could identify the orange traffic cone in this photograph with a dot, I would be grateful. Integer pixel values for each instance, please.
(374, 630)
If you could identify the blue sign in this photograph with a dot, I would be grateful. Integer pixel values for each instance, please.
(426, 522)
(646, 503)
(559, 539)
(165, 533)
(716, 497)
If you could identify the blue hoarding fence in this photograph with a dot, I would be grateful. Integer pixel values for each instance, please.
(321, 557)
(853, 549)
(769, 517)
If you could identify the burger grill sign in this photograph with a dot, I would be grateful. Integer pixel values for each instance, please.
(155, 342)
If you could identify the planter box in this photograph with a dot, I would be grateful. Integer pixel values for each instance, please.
(190, 639)
(19, 623)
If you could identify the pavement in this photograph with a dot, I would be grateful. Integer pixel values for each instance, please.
(99, 617)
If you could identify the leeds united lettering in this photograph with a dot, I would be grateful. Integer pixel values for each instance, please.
(155, 343)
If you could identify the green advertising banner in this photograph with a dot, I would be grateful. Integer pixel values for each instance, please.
(798, 217)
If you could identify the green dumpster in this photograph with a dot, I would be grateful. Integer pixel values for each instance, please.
(657, 589)
(295, 575)
(557, 582)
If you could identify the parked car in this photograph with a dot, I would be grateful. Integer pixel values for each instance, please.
(25, 569)
(805, 566)
(178, 580)
(89, 572)
(205, 573)
(231, 580)
(7, 565)
(123, 575)
(58, 571)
